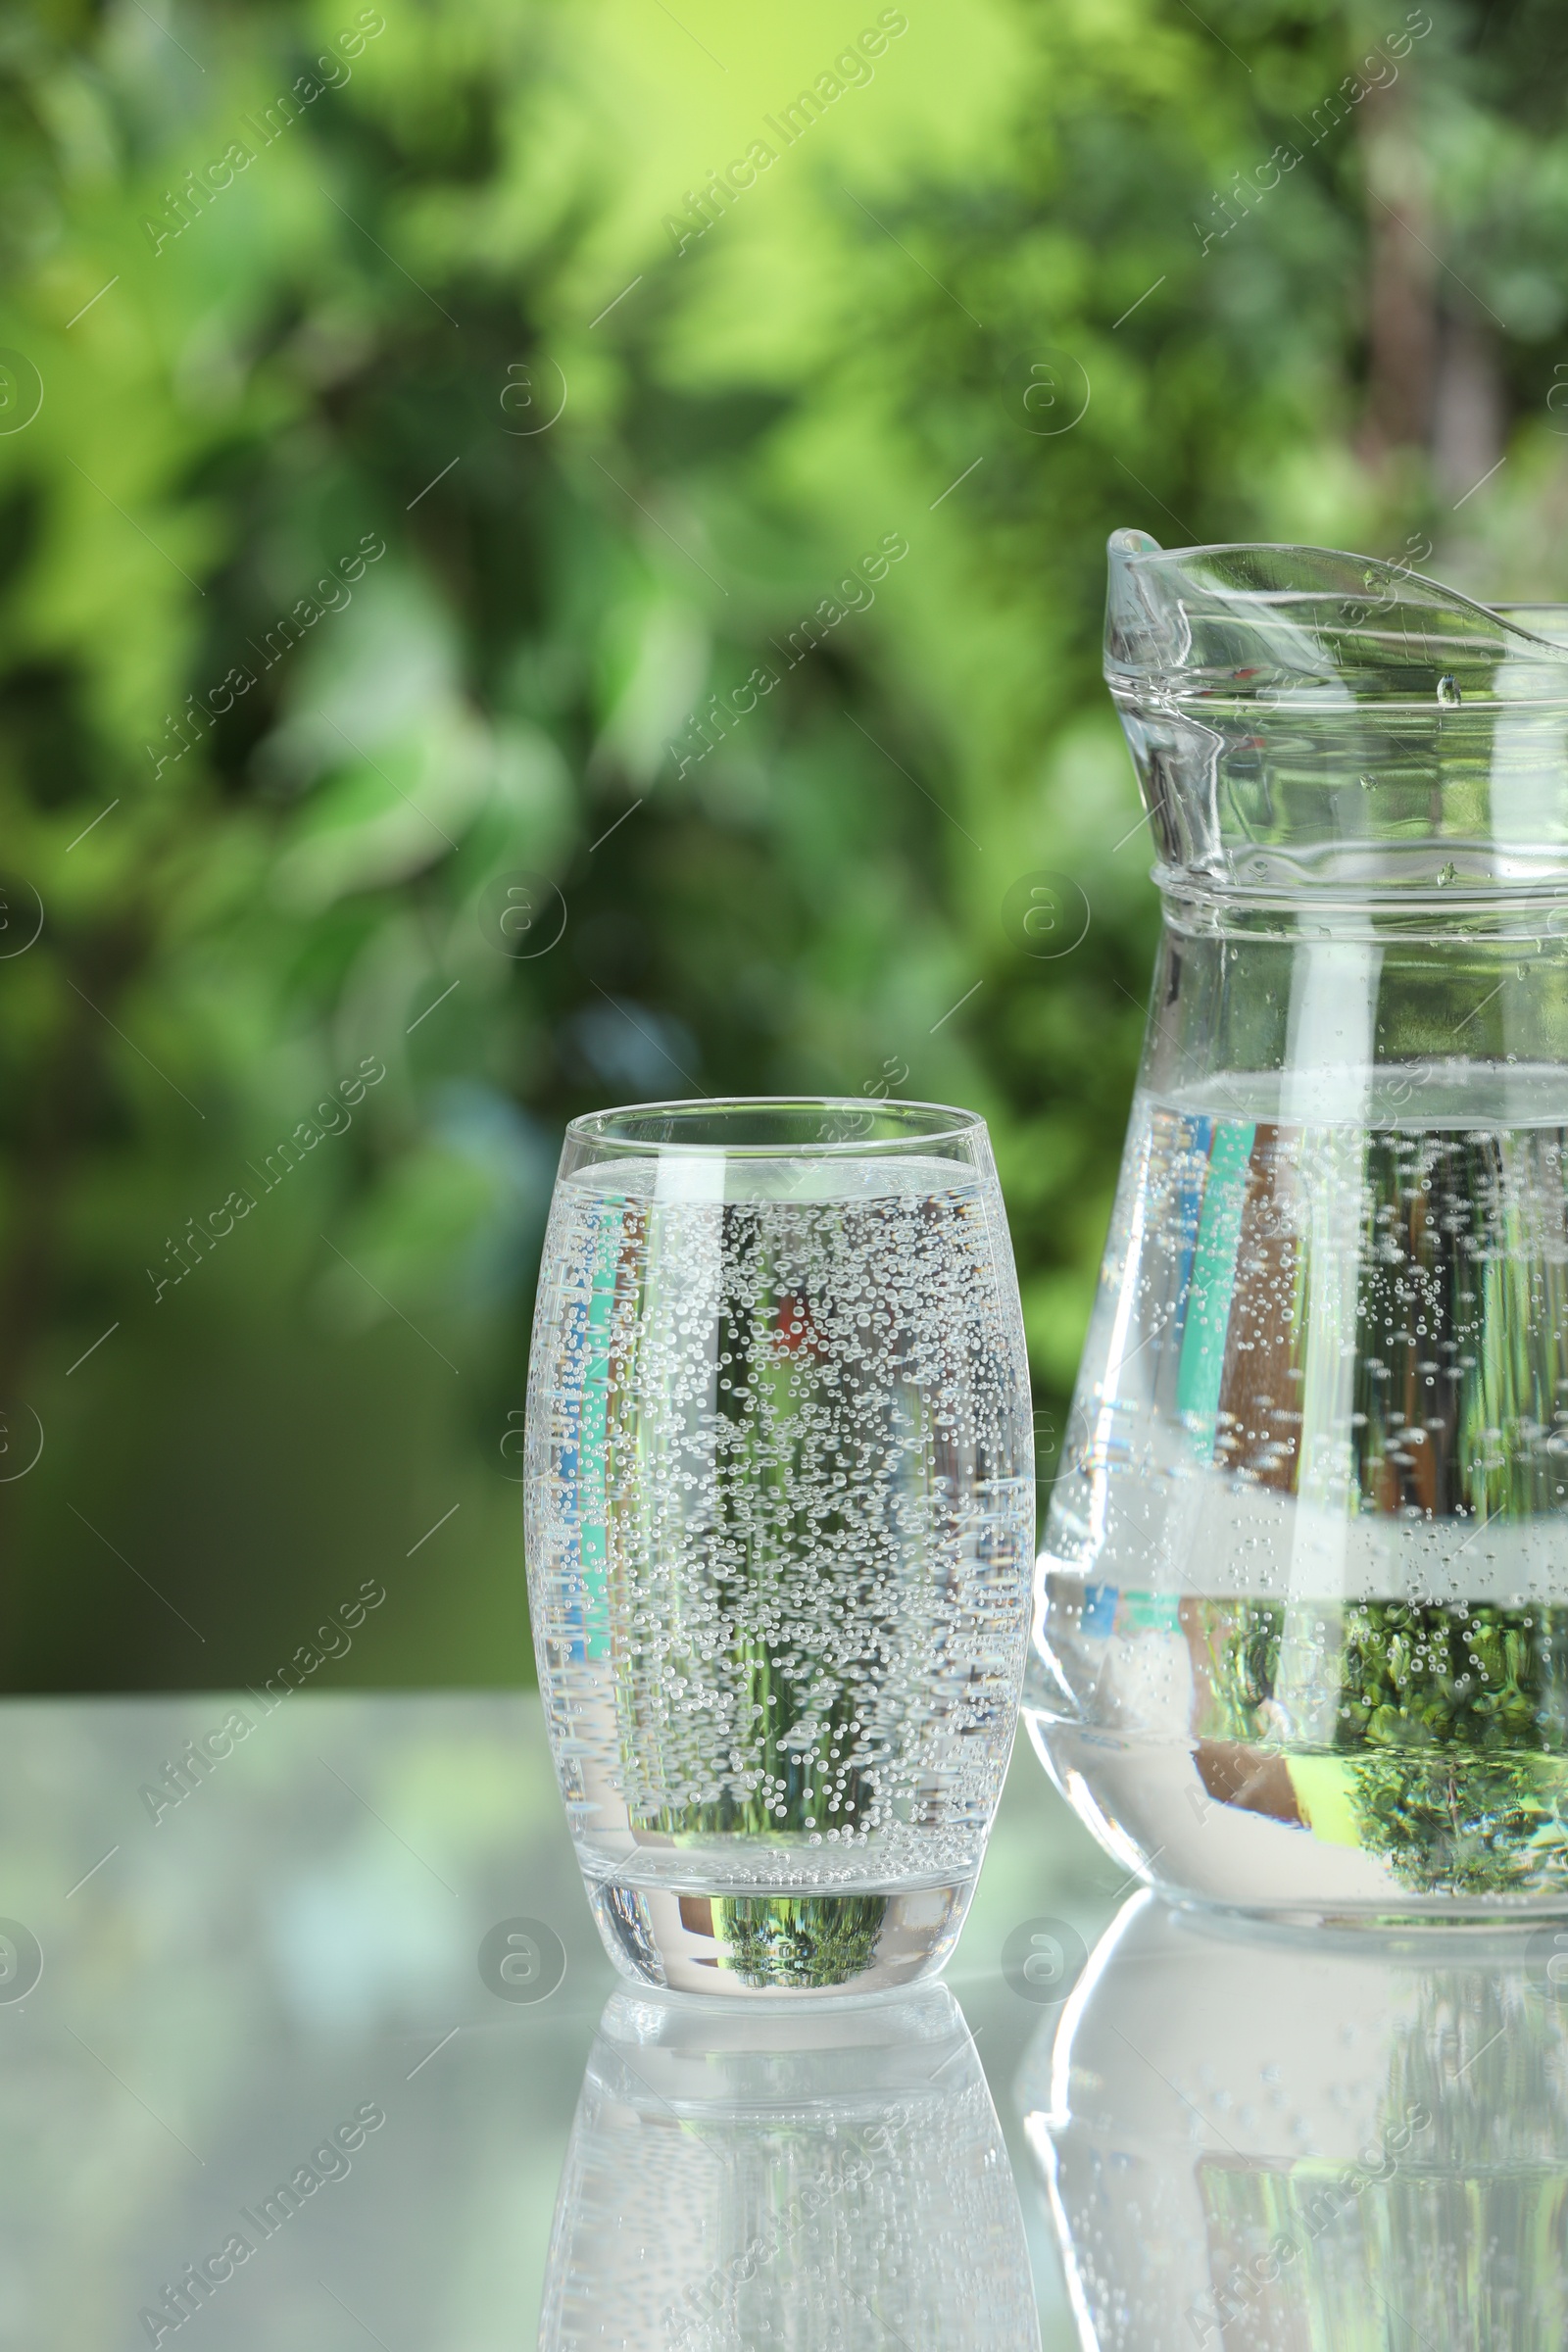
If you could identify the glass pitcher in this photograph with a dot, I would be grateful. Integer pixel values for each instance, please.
(1300, 1630)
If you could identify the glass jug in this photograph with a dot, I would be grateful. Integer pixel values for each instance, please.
(1301, 1630)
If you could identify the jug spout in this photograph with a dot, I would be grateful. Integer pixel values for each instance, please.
(1306, 720)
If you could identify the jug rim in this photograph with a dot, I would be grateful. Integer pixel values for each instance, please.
(1262, 621)
(1315, 728)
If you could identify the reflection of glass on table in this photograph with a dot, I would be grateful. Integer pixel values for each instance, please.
(745, 2180)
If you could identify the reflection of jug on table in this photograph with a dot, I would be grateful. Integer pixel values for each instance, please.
(1302, 1621)
(1257, 2141)
(756, 2179)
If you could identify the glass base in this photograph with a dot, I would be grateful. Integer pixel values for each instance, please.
(864, 1940)
(1293, 1836)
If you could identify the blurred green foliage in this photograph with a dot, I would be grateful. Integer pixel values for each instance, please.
(1041, 269)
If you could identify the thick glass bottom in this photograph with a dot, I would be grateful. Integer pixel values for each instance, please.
(789, 1944)
(1386, 1842)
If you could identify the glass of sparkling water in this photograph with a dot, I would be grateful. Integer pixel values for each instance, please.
(780, 1518)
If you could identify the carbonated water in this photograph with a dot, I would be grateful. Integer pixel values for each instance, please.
(1303, 1606)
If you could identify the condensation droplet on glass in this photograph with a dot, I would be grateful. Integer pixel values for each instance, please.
(1447, 873)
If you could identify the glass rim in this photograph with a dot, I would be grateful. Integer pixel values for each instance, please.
(920, 1123)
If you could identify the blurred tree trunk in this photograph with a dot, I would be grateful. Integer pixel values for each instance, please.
(1433, 379)
(1402, 335)
(1468, 407)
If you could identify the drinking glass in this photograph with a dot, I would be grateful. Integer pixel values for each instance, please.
(780, 1503)
(1301, 1643)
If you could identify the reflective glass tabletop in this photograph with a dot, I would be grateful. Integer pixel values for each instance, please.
(308, 2039)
